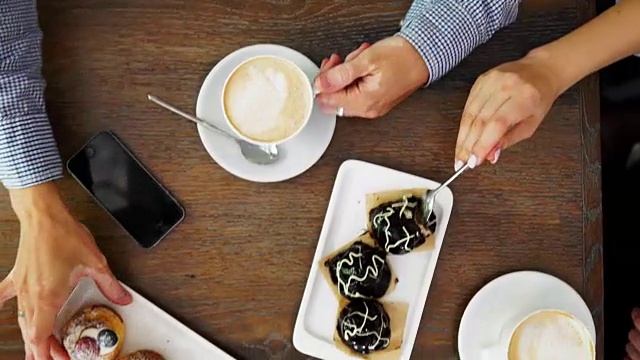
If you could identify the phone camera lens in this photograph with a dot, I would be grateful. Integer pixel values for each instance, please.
(90, 151)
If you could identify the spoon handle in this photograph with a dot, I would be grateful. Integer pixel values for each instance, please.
(453, 177)
(187, 116)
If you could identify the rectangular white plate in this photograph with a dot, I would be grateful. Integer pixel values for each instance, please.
(345, 219)
(146, 326)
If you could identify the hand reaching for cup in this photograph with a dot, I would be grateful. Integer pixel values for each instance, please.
(371, 80)
(55, 252)
(505, 106)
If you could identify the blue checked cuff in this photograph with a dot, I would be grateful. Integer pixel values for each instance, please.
(444, 32)
(28, 151)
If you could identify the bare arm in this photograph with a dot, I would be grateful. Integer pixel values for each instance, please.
(507, 104)
(612, 36)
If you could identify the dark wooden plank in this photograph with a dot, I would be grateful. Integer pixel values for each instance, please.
(592, 193)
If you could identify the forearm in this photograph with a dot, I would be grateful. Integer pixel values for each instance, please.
(36, 202)
(28, 151)
(444, 32)
(613, 35)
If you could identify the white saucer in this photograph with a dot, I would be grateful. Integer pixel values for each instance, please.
(511, 295)
(296, 155)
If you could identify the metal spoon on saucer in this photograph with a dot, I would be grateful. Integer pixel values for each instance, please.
(257, 154)
(429, 196)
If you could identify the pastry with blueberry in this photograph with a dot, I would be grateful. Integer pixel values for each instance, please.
(397, 222)
(94, 333)
(360, 271)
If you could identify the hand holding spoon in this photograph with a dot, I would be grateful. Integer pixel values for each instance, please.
(429, 196)
(257, 154)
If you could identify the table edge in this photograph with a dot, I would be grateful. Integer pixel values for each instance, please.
(592, 192)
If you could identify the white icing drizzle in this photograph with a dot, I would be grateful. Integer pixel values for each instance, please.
(351, 330)
(385, 215)
(373, 271)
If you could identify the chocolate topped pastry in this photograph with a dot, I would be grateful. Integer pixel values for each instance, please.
(364, 326)
(398, 226)
(360, 271)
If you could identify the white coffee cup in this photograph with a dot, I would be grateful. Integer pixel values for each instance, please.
(549, 331)
(267, 100)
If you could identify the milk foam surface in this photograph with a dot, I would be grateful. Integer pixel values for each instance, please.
(551, 336)
(267, 99)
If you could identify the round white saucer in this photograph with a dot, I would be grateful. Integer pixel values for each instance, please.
(515, 295)
(296, 155)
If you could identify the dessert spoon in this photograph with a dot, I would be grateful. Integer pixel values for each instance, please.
(257, 154)
(429, 196)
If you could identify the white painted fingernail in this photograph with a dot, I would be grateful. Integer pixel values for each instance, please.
(458, 165)
(496, 156)
(472, 162)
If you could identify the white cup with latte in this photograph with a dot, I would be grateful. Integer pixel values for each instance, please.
(543, 335)
(267, 100)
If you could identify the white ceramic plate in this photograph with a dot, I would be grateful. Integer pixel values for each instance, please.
(296, 155)
(515, 295)
(346, 219)
(147, 326)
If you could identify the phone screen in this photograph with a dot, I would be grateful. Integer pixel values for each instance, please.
(124, 188)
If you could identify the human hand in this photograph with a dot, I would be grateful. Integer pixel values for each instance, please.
(55, 252)
(372, 79)
(505, 106)
(633, 346)
(334, 60)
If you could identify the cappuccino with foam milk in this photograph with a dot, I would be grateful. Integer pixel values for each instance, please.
(267, 99)
(551, 335)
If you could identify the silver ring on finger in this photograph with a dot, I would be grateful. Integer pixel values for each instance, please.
(340, 111)
(21, 314)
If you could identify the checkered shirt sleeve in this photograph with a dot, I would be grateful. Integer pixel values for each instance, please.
(445, 31)
(28, 150)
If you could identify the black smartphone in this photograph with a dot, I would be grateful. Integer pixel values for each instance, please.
(126, 189)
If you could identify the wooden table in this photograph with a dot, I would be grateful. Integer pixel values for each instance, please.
(235, 270)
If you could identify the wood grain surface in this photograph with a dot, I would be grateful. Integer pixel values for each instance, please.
(235, 270)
